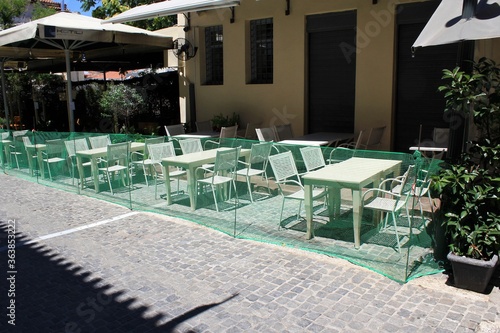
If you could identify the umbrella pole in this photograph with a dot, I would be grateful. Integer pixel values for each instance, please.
(69, 93)
(5, 104)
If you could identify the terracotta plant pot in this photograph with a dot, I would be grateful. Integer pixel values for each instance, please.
(472, 274)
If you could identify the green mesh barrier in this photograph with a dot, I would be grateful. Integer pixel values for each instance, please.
(60, 160)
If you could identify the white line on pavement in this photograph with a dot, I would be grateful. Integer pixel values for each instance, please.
(70, 231)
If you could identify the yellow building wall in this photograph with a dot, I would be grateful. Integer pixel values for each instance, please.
(285, 100)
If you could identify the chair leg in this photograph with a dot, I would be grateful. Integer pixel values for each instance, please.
(109, 182)
(249, 188)
(215, 198)
(145, 174)
(396, 231)
(281, 214)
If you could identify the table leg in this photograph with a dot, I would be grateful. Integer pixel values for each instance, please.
(334, 200)
(95, 173)
(166, 178)
(191, 179)
(356, 217)
(40, 162)
(79, 166)
(308, 205)
(7, 154)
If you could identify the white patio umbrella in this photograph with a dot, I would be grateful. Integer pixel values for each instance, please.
(63, 34)
(448, 24)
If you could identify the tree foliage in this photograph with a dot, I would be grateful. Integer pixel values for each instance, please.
(10, 9)
(109, 8)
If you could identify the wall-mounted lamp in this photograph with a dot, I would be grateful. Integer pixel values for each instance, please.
(287, 10)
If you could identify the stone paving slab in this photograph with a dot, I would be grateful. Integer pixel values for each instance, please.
(153, 273)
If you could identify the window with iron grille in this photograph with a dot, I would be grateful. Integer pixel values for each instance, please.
(261, 48)
(214, 55)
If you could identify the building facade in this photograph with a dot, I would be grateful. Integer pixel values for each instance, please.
(322, 65)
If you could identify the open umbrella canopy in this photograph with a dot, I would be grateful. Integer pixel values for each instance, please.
(449, 25)
(62, 38)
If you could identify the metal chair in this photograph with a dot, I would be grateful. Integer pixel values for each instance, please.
(285, 173)
(391, 201)
(189, 146)
(226, 137)
(313, 158)
(223, 172)
(283, 132)
(142, 159)
(204, 126)
(72, 146)
(100, 141)
(117, 160)
(53, 153)
(266, 134)
(156, 153)
(172, 130)
(339, 154)
(256, 165)
(30, 154)
(374, 138)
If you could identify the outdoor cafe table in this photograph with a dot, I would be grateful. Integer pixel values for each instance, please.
(94, 155)
(329, 137)
(190, 162)
(355, 174)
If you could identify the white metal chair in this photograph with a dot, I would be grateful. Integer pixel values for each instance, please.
(117, 161)
(53, 154)
(339, 154)
(283, 132)
(223, 172)
(142, 159)
(285, 173)
(359, 143)
(172, 130)
(156, 153)
(391, 201)
(15, 146)
(250, 133)
(72, 146)
(100, 141)
(229, 133)
(189, 146)
(256, 165)
(313, 158)
(375, 137)
(30, 154)
(204, 126)
(266, 134)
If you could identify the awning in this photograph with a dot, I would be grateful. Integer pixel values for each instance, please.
(171, 7)
(447, 25)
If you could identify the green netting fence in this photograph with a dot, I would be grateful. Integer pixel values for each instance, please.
(55, 159)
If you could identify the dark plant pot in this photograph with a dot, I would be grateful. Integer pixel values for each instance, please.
(472, 274)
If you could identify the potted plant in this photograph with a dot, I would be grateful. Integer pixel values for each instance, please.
(470, 187)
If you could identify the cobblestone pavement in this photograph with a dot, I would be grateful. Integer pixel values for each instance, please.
(83, 265)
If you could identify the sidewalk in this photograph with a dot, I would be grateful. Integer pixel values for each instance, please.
(84, 265)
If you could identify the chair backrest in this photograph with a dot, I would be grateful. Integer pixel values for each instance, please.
(100, 141)
(27, 141)
(189, 146)
(226, 161)
(250, 133)
(283, 166)
(4, 135)
(260, 153)
(440, 136)
(375, 137)
(117, 152)
(339, 154)
(204, 126)
(229, 132)
(158, 151)
(54, 147)
(313, 158)
(359, 143)
(266, 134)
(152, 141)
(72, 146)
(283, 132)
(16, 134)
(172, 130)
